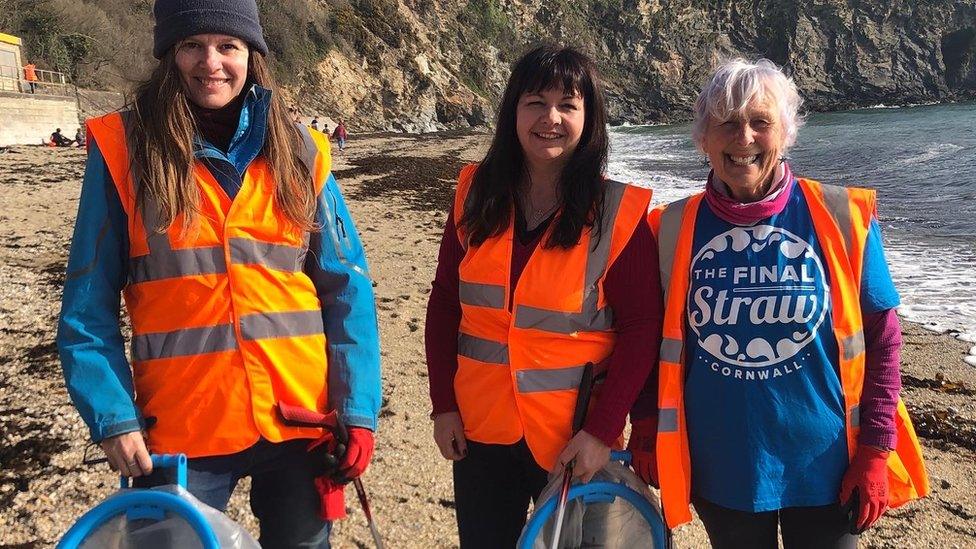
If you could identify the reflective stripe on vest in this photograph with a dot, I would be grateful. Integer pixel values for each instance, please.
(668, 238)
(163, 262)
(591, 317)
(554, 379)
(482, 295)
(482, 350)
(212, 339)
(835, 211)
(281, 324)
(521, 350)
(671, 349)
(225, 322)
(667, 420)
(185, 342)
(839, 206)
(280, 257)
(837, 202)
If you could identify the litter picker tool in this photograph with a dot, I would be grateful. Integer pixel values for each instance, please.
(582, 403)
(301, 417)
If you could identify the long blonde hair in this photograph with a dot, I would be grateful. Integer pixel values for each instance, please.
(162, 151)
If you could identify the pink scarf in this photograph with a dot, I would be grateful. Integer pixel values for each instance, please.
(748, 213)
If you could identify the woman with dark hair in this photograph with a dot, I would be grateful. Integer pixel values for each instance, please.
(220, 223)
(543, 267)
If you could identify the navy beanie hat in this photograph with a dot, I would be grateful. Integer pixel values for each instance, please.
(178, 19)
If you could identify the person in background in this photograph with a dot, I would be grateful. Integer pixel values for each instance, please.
(542, 268)
(30, 75)
(79, 138)
(219, 221)
(778, 382)
(59, 139)
(340, 135)
(315, 123)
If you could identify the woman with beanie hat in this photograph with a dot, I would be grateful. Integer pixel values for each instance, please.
(220, 223)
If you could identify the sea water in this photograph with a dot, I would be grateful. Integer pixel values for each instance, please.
(921, 160)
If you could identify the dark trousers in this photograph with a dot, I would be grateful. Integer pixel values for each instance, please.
(493, 485)
(823, 527)
(283, 494)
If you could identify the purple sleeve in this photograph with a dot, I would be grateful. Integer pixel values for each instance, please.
(443, 320)
(633, 290)
(882, 379)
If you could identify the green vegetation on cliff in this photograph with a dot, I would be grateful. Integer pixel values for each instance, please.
(106, 43)
(435, 64)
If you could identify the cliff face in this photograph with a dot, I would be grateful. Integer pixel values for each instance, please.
(423, 65)
(449, 65)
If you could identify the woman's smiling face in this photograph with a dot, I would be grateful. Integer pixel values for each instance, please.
(549, 124)
(745, 150)
(213, 68)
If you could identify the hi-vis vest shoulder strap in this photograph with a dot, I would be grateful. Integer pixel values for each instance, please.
(225, 322)
(521, 351)
(841, 218)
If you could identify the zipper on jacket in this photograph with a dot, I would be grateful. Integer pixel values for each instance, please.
(339, 224)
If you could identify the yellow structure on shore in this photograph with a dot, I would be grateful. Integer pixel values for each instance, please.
(16, 76)
(10, 63)
(33, 103)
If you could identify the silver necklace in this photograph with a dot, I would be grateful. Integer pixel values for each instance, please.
(535, 215)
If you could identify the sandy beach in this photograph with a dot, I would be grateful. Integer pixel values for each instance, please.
(398, 189)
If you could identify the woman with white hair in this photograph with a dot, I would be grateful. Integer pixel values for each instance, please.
(778, 389)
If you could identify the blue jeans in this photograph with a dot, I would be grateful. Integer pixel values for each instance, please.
(283, 494)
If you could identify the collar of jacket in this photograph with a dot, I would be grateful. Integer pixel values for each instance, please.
(248, 140)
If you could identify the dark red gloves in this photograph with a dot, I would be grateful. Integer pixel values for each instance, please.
(353, 458)
(642, 443)
(864, 490)
(359, 450)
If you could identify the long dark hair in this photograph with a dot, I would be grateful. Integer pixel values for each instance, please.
(163, 150)
(489, 205)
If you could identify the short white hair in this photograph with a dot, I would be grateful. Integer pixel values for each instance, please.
(735, 85)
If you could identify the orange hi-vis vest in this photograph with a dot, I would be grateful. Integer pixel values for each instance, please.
(224, 322)
(521, 354)
(841, 218)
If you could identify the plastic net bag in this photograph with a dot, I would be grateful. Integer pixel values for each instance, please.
(600, 520)
(168, 532)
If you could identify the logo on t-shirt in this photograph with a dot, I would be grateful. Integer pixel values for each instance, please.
(757, 296)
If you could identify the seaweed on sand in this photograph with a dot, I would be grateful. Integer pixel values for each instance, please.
(426, 183)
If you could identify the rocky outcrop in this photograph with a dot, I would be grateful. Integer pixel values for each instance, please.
(423, 65)
(444, 63)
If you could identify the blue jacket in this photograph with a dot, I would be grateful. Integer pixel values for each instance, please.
(90, 341)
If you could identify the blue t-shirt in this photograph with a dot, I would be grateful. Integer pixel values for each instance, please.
(764, 403)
